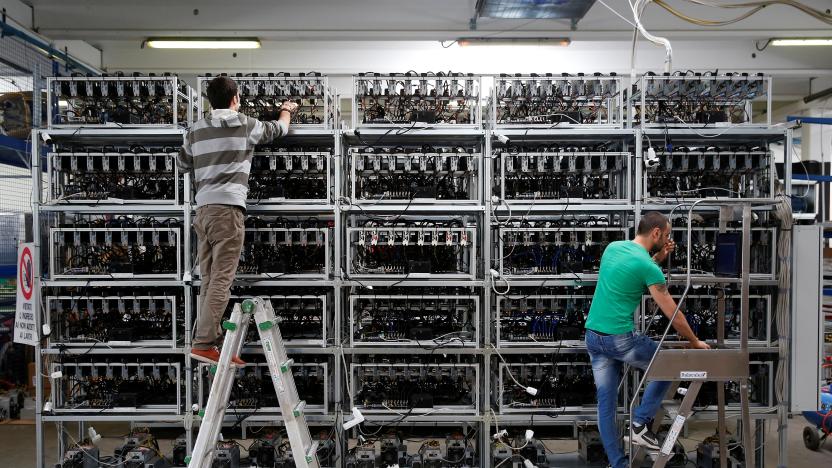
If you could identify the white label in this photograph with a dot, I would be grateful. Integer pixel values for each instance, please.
(673, 434)
(693, 375)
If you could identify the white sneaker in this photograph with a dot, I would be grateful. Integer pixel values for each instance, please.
(643, 436)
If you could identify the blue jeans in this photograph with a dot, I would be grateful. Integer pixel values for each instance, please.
(608, 353)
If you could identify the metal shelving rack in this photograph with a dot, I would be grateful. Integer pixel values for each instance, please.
(45, 213)
(487, 214)
(473, 213)
(765, 135)
(580, 284)
(324, 133)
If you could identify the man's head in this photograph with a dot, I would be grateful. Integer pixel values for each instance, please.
(222, 93)
(654, 230)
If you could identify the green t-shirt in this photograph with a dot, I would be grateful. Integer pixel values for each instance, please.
(626, 270)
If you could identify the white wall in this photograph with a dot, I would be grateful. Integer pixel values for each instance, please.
(333, 57)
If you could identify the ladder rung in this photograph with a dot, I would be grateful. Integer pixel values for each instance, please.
(310, 454)
(671, 407)
(299, 408)
(287, 365)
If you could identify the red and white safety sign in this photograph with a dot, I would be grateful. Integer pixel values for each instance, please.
(25, 319)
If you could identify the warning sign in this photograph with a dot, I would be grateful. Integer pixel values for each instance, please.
(25, 319)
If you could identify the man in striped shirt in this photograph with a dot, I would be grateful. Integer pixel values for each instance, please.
(217, 151)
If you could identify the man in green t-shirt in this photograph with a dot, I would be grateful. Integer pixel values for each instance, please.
(626, 270)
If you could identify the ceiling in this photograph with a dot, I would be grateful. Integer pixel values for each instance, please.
(94, 20)
(347, 36)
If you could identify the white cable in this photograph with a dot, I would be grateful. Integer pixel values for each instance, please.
(638, 8)
(727, 129)
(494, 287)
(783, 212)
(77, 445)
(346, 372)
(530, 390)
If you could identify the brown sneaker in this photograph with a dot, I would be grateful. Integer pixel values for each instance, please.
(212, 356)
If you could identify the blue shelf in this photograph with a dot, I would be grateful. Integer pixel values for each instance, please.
(14, 151)
(8, 271)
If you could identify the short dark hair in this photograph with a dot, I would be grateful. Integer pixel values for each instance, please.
(650, 221)
(221, 90)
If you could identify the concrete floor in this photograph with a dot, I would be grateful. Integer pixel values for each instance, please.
(17, 443)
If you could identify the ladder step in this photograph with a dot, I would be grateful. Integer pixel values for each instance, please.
(310, 454)
(296, 412)
(287, 365)
(671, 407)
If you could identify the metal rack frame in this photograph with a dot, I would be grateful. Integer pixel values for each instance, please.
(557, 343)
(502, 381)
(475, 99)
(643, 82)
(173, 408)
(467, 256)
(623, 190)
(486, 288)
(177, 98)
(353, 320)
(291, 343)
(54, 245)
(616, 117)
(328, 157)
(501, 248)
(474, 408)
(171, 343)
(769, 333)
(322, 409)
(474, 182)
(289, 234)
(771, 172)
(331, 107)
(53, 173)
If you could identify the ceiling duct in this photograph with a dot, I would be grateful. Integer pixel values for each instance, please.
(572, 10)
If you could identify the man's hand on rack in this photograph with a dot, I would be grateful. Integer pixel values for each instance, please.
(697, 344)
(662, 254)
(289, 106)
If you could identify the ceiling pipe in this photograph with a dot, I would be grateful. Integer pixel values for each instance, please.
(44, 46)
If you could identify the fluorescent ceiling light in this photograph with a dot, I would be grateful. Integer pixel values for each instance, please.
(202, 43)
(801, 41)
(521, 41)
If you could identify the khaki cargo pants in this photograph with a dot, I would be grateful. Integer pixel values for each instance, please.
(220, 230)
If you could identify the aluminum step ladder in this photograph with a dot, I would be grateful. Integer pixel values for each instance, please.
(304, 451)
(698, 365)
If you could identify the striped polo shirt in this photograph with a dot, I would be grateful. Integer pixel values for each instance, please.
(218, 149)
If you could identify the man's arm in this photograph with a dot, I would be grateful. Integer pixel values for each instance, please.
(268, 131)
(680, 323)
(185, 158)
